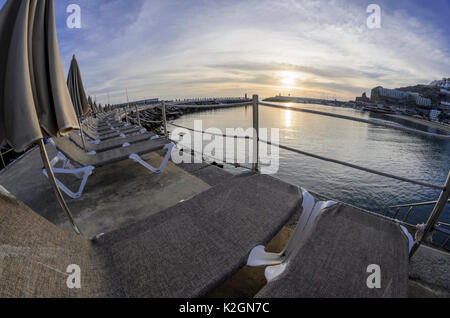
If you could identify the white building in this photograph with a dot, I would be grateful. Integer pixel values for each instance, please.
(445, 83)
(401, 96)
(434, 114)
(422, 101)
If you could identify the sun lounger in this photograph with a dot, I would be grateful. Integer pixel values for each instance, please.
(99, 146)
(184, 251)
(340, 253)
(111, 133)
(102, 128)
(89, 161)
(106, 126)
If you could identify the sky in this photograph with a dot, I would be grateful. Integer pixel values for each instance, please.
(212, 48)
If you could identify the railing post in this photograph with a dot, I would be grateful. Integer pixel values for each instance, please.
(256, 129)
(164, 118)
(434, 217)
(405, 219)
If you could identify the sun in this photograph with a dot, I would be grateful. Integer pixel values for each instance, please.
(289, 78)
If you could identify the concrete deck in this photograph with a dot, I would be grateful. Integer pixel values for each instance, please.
(115, 195)
(430, 273)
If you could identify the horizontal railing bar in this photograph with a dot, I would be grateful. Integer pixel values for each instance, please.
(416, 204)
(210, 157)
(211, 106)
(384, 174)
(440, 230)
(367, 121)
(425, 184)
(208, 133)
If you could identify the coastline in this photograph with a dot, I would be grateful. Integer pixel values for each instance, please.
(445, 128)
(422, 122)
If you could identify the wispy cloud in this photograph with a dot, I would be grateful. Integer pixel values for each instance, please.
(196, 48)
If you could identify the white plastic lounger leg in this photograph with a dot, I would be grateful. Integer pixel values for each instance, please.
(59, 158)
(409, 236)
(139, 160)
(259, 257)
(273, 272)
(308, 206)
(94, 142)
(81, 173)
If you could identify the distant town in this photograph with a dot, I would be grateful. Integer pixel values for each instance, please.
(422, 102)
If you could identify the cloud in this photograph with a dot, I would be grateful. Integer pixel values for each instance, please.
(177, 49)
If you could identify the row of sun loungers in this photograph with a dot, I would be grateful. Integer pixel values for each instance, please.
(103, 151)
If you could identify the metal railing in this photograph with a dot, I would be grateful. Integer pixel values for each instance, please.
(396, 210)
(423, 233)
(409, 210)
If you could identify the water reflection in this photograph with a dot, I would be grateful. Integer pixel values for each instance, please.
(287, 118)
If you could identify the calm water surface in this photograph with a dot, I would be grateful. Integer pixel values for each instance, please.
(371, 146)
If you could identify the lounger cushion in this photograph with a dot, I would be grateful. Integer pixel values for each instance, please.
(111, 134)
(333, 261)
(192, 247)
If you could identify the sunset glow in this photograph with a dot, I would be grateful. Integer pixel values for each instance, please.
(181, 49)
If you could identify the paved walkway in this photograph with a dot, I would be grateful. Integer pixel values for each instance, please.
(115, 195)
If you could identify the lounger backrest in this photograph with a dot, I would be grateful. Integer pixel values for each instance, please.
(341, 256)
(110, 135)
(78, 155)
(109, 144)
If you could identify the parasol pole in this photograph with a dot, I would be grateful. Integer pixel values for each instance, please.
(1, 156)
(82, 134)
(51, 177)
